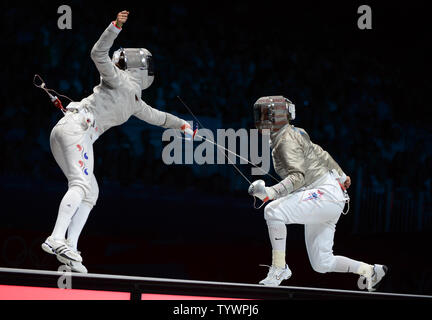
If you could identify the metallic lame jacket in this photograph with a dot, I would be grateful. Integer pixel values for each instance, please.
(298, 161)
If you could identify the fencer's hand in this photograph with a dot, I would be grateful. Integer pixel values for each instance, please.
(187, 131)
(347, 182)
(259, 190)
(121, 18)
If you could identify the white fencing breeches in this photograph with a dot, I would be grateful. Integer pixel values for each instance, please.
(318, 207)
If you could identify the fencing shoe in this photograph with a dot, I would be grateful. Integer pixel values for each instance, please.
(276, 275)
(371, 282)
(60, 248)
(73, 265)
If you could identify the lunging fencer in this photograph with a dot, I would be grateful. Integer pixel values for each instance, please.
(114, 100)
(312, 193)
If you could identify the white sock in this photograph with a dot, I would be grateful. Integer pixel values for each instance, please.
(278, 259)
(277, 233)
(344, 264)
(77, 224)
(68, 206)
(365, 270)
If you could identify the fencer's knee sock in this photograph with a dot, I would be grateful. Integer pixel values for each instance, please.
(68, 206)
(344, 264)
(77, 224)
(277, 233)
(365, 269)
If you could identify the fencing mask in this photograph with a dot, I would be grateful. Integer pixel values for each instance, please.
(138, 62)
(273, 112)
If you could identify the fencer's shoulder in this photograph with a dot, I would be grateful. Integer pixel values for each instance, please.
(297, 135)
(299, 130)
(127, 83)
(115, 80)
(284, 136)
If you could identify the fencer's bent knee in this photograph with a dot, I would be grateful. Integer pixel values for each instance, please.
(84, 188)
(92, 198)
(323, 263)
(320, 268)
(273, 222)
(79, 189)
(271, 212)
(90, 191)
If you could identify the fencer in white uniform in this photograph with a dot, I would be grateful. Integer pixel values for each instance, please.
(113, 102)
(312, 193)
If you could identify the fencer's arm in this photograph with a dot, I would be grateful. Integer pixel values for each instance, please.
(292, 157)
(258, 189)
(328, 160)
(100, 55)
(158, 118)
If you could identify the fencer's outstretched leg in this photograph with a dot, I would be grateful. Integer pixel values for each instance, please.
(279, 270)
(319, 243)
(370, 275)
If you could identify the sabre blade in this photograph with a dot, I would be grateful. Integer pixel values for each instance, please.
(237, 155)
(214, 143)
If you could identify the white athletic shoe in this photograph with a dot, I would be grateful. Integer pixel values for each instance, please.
(370, 283)
(276, 275)
(73, 265)
(60, 248)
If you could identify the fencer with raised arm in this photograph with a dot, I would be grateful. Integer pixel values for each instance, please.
(114, 100)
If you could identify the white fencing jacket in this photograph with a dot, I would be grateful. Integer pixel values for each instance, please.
(118, 96)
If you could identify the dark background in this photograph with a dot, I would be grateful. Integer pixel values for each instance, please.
(363, 95)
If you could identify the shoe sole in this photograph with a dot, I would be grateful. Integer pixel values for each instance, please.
(47, 248)
(275, 285)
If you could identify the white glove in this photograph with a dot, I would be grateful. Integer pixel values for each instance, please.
(259, 190)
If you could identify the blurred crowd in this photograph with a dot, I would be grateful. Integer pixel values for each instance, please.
(354, 105)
